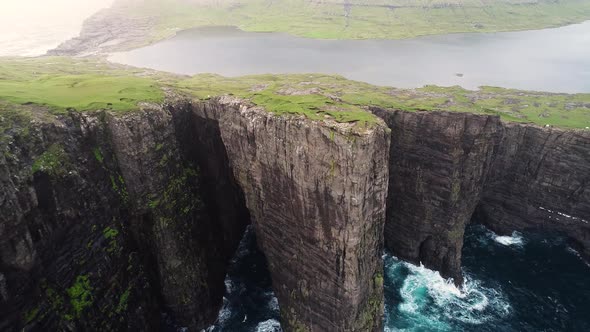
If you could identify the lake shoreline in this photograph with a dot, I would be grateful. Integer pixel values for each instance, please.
(124, 45)
(469, 60)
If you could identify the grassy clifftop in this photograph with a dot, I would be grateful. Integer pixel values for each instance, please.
(134, 23)
(57, 83)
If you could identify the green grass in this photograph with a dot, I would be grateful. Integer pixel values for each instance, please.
(282, 94)
(58, 84)
(30, 85)
(313, 106)
(386, 19)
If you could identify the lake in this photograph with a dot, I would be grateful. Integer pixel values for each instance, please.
(556, 60)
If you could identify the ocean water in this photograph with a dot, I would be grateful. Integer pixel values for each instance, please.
(523, 282)
(32, 27)
(249, 304)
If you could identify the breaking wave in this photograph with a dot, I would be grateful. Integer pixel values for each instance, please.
(271, 325)
(515, 239)
(249, 304)
(419, 299)
(512, 284)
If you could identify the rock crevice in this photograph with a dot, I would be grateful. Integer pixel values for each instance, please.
(318, 207)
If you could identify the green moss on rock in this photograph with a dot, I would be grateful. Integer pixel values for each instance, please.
(31, 315)
(80, 295)
(123, 301)
(98, 155)
(53, 161)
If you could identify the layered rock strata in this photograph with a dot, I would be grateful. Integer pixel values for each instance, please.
(108, 222)
(540, 180)
(446, 166)
(316, 193)
(438, 165)
(127, 221)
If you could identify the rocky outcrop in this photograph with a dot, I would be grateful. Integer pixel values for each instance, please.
(316, 193)
(446, 166)
(189, 235)
(66, 262)
(438, 165)
(109, 30)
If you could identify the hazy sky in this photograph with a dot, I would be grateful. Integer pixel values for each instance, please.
(13, 10)
(31, 27)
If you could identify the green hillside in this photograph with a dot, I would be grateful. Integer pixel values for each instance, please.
(359, 19)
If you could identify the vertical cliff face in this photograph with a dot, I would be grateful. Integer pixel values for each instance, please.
(66, 263)
(127, 221)
(316, 194)
(189, 234)
(438, 164)
(108, 221)
(540, 179)
(444, 166)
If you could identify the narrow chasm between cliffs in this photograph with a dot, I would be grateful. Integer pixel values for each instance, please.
(130, 221)
(115, 222)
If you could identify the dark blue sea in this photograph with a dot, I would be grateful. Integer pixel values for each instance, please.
(523, 282)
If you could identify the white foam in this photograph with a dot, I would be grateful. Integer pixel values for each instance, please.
(515, 239)
(429, 298)
(229, 285)
(224, 313)
(270, 325)
(273, 303)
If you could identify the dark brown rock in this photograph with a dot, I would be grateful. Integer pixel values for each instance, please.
(519, 176)
(123, 215)
(153, 204)
(438, 164)
(540, 180)
(61, 226)
(190, 239)
(316, 193)
(108, 220)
